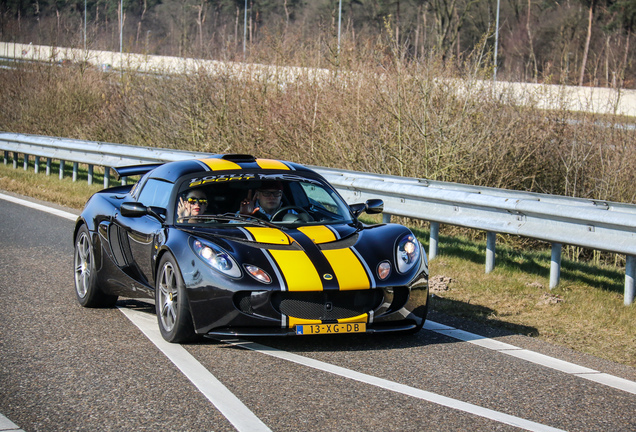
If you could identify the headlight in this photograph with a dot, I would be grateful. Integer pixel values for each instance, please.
(407, 253)
(216, 258)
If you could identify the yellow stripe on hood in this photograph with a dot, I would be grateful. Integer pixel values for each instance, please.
(300, 273)
(348, 269)
(216, 164)
(270, 235)
(318, 234)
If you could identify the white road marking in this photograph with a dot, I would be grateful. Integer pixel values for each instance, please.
(241, 417)
(394, 387)
(533, 357)
(56, 212)
(7, 425)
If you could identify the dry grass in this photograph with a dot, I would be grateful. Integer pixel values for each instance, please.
(49, 188)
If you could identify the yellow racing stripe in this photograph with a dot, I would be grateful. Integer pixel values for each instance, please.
(300, 273)
(216, 164)
(293, 322)
(271, 164)
(348, 269)
(356, 319)
(269, 235)
(318, 234)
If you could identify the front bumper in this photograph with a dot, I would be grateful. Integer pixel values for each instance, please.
(276, 313)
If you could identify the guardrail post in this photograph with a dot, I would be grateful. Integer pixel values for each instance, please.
(48, 166)
(6, 157)
(491, 239)
(36, 166)
(386, 218)
(432, 246)
(61, 169)
(124, 181)
(90, 174)
(25, 162)
(555, 265)
(106, 177)
(630, 271)
(15, 160)
(75, 165)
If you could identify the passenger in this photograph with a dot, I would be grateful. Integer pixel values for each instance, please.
(195, 203)
(265, 202)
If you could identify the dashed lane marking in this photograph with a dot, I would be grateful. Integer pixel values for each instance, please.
(7, 425)
(395, 387)
(241, 417)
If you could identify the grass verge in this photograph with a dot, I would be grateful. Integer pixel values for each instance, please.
(585, 313)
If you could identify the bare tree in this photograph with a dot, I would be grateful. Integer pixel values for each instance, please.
(587, 42)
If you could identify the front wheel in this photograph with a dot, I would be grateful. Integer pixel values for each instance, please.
(171, 303)
(86, 287)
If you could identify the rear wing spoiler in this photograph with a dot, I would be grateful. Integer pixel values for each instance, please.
(132, 170)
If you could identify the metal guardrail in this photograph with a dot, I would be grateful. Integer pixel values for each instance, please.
(593, 224)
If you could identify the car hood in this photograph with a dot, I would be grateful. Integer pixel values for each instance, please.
(316, 257)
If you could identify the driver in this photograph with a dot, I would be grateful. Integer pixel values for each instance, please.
(265, 202)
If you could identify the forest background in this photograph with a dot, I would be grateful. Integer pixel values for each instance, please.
(581, 42)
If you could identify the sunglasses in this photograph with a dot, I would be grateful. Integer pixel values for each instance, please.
(201, 201)
(276, 193)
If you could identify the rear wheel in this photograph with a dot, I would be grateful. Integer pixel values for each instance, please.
(86, 287)
(171, 303)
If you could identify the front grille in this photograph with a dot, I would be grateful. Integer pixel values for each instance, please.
(327, 305)
(244, 302)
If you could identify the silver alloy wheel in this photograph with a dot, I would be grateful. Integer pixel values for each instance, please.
(168, 297)
(83, 264)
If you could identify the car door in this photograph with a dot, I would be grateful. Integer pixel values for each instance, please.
(134, 240)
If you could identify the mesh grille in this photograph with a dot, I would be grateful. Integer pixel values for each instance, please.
(244, 302)
(327, 305)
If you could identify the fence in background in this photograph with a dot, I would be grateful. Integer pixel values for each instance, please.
(559, 220)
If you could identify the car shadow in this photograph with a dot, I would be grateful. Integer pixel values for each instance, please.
(368, 342)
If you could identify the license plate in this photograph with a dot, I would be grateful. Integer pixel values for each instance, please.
(312, 329)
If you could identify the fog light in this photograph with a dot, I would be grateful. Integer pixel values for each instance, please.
(258, 273)
(384, 270)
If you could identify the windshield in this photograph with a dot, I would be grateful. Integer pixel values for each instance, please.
(259, 199)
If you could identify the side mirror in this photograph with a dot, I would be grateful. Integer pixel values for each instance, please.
(372, 206)
(375, 206)
(133, 209)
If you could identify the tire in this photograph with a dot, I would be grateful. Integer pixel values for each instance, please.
(87, 288)
(171, 303)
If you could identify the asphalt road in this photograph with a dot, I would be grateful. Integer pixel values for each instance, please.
(65, 368)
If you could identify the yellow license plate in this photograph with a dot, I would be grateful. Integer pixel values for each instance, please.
(312, 329)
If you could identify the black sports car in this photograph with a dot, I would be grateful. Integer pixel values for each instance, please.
(233, 245)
